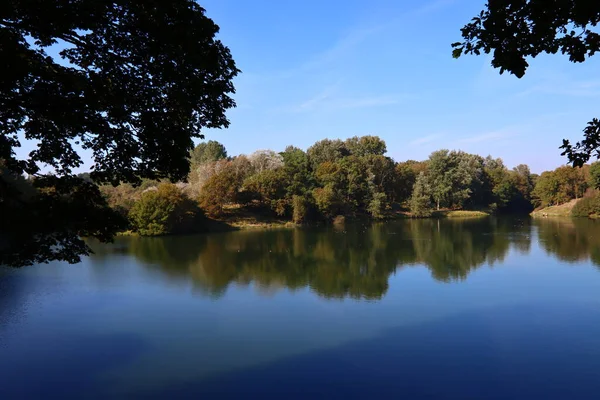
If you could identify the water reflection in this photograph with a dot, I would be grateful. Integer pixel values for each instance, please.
(570, 240)
(353, 262)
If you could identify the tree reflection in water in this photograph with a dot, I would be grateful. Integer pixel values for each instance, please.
(357, 260)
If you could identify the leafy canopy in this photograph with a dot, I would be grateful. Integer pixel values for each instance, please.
(513, 30)
(138, 80)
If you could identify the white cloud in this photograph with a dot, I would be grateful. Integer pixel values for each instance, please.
(425, 139)
(325, 101)
(566, 88)
(487, 137)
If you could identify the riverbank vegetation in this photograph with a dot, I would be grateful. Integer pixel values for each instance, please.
(352, 178)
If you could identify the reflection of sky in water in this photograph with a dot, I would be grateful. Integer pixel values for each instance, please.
(121, 323)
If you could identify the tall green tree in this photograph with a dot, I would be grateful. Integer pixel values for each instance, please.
(420, 201)
(438, 177)
(515, 30)
(326, 150)
(298, 171)
(207, 152)
(450, 177)
(138, 80)
(405, 177)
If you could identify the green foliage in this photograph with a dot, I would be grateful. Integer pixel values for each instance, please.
(560, 186)
(221, 189)
(327, 201)
(207, 152)
(163, 210)
(514, 31)
(301, 209)
(135, 83)
(453, 176)
(420, 201)
(378, 205)
(45, 219)
(405, 177)
(268, 187)
(365, 146)
(326, 150)
(299, 177)
(589, 205)
(594, 178)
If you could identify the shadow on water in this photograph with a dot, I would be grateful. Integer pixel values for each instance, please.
(351, 262)
(69, 376)
(523, 351)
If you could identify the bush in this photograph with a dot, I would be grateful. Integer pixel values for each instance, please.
(587, 206)
(163, 211)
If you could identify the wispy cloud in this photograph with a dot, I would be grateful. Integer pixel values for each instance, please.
(487, 137)
(329, 103)
(349, 41)
(320, 97)
(566, 88)
(426, 139)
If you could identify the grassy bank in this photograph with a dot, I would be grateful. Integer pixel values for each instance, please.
(466, 214)
(446, 214)
(563, 210)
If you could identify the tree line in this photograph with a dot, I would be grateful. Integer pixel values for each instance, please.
(332, 178)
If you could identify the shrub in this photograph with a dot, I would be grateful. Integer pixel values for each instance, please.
(163, 211)
(587, 206)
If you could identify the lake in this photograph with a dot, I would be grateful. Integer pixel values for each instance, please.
(494, 308)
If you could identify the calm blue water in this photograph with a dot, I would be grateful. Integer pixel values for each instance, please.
(472, 309)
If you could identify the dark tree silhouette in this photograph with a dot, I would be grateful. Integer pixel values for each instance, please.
(136, 82)
(514, 30)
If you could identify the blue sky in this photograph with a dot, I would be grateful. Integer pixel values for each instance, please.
(340, 68)
(335, 69)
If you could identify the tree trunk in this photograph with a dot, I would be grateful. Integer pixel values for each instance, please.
(438, 205)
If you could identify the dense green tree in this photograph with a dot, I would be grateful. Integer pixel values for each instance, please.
(594, 179)
(559, 186)
(136, 82)
(451, 175)
(546, 189)
(297, 171)
(207, 152)
(378, 205)
(524, 181)
(514, 30)
(404, 181)
(381, 175)
(327, 201)
(301, 209)
(420, 201)
(365, 146)
(438, 177)
(356, 193)
(326, 150)
(269, 188)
